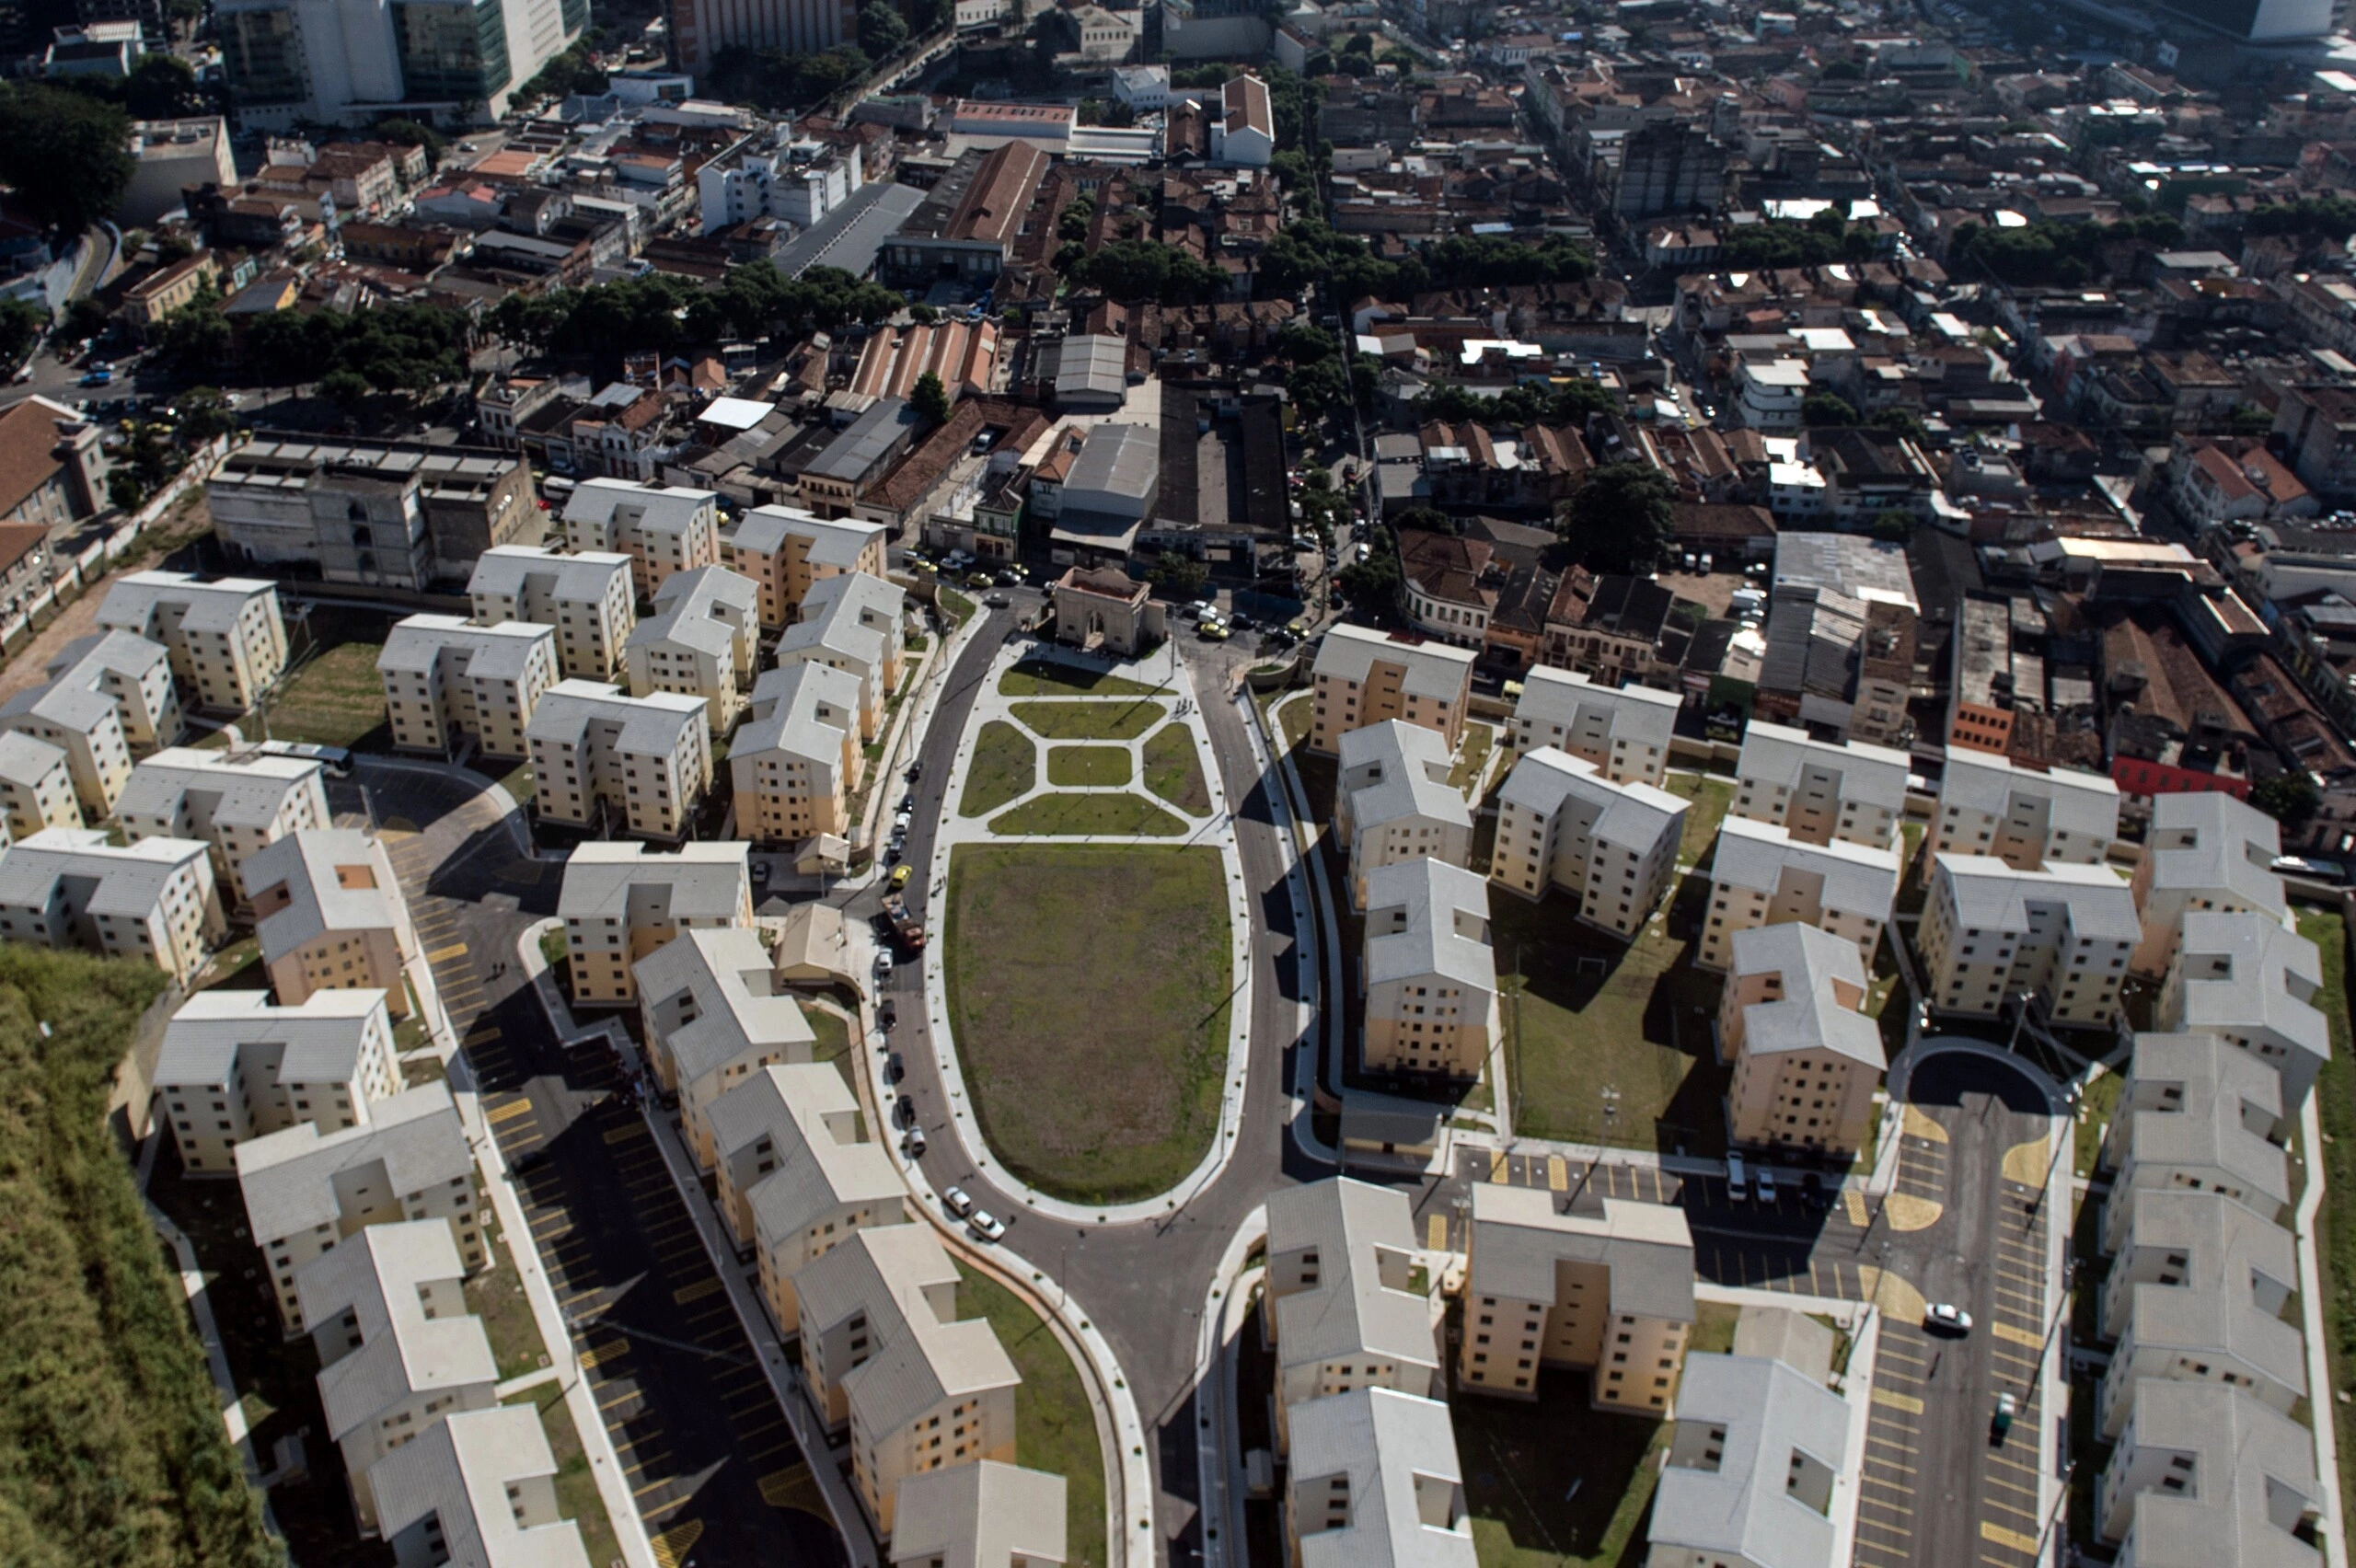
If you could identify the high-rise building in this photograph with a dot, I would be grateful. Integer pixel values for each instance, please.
(452, 63)
(700, 28)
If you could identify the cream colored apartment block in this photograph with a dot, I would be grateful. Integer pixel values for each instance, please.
(785, 551)
(2252, 984)
(234, 1067)
(238, 800)
(714, 1016)
(305, 1190)
(479, 1486)
(700, 641)
(1395, 802)
(662, 530)
(1807, 1061)
(851, 622)
(156, 899)
(622, 903)
(1988, 933)
(1623, 730)
(796, 758)
(1612, 846)
(1610, 1294)
(226, 638)
(1854, 793)
(330, 916)
(127, 671)
(645, 761)
(75, 714)
(885, 1353)
(984, 1514)
(2206, 854)
(588, 599)
(2023, 816)
(447, 680)
(1341, 1312)
(1430, 976)
(1364, 677)
(1763, 875)
(36, 786)
(2195, 1115)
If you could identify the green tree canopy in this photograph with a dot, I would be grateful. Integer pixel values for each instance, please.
(1140, 269)
(930, 399)
(1618, 520)
(2290, 799)
(21, 324)
(880, 30)
(65, 154)
(1823, 410)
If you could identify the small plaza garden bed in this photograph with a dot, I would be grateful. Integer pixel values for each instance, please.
(1089, 720)
(1046, 677)
(1005, 768)
(1086, 817)
(1174, 770)
(1082, 767)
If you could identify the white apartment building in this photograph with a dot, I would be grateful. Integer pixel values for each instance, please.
(702, 641)
(1364, 677)
(235, 1067)
(2203, 1475)
(134, 672)
(714, 1016)
(785, 551)
(1395, 802)
(1853, 792)
(2205, 853)
(2244, 979)
(1990, 933)
(797, 757)
(980, 1516)
(156, 899)
(35, 786)
(226, 638)
(588, 599)
(448, 681)
(398, 1351)
(883, 1352)
(798, 181)
(83, 722)
(1341, 1315)
(621, 904)
(851, 622)
(477, 1488)
(1807, 1059)
(237, 801)
(662, 530)
(1763, 875)
(1429, 975)
(646, 761)
(1623, 730)
(1374, 1478)
(2023, 816)
(1757, 1459)
(307, 1191)
(2194, 1115)
(330, 915)
(1561, 824)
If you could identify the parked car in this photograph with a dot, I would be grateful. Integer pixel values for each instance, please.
(2001, 1423)
(986, 1225)
(900, 876)
(1008, 578)
(1764, 1178)
(904, 1112)
(888, 1014)
(896, 1067)
(883, 965)
(996, 601)
(1945, 1317)
(915, 770)
(955, 1201)
(912, 1146)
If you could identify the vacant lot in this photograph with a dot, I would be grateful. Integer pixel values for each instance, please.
(1538, 1502)
(336, 699)
(1053, 1428)
(1078, 816)
(1044, 677)
(1005, 767)
(1174, 771)
(1078, 766)
(1089, 989)
(1090, 721)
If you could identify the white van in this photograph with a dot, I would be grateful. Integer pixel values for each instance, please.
(1738, 1183)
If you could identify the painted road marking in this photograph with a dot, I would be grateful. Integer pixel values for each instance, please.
(508, 1112)
(1558, 1173)
(626, 1132)
(2004, 1330)
(696, 1292)
(1435, 1233)
(1498, 1168)
(671, 1548)
(2003, 1536)
(598, 1354)
(483, 1036)
(444, 955)
(1895, 1401)
(778, 1487)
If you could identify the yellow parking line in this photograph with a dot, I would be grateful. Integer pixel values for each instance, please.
(697, 1291)
(2004, 1330)
(671, 1548)
(508, 1112)
(1901, 1448)
(2003, 1536)
(483, 1036)
(1895, 1401)
(1558, 1172)
(597, 1354)
(1499, 1171)
(1435, 1233)
(643, 1491)
(626, 1132)
(443, 955)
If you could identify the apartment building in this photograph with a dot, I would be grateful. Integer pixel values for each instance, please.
(305, 1190)
(238, 800)
(979, 1516)
(1762, 875)
(2206, 853)
(1623, 730)
(1364, 677)
(2198, 1294)
(797, 757)
(1395, 802)
(225, 638)
(448, 681)
(851, 623)
(883, 1352)
(661, 530)
(785, 551)
(1429, 975)
(83, 722)
(796, 1179)
(2194, 1115)
(2061, 935)
(1555, 1285)
(622, 903)
(702, 641)
(1807, 1059)
(1758, 1456)
(235, 1067)
(2023, 816)
(714, 1016)
(588, 599)
(134, 674)
(644, 762)
(2252, 984)
(1341, 1314)
(2202, 1475)
(1374, 1478)
(156, 899)
(1853, 793)
(478, 1488)
(35, 786)
(330, 916)
(1561, 824)
(398, 1349)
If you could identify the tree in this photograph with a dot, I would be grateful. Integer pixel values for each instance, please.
(196, 334)
(931, 397)
(20, 325)
(1821, 410)
(1177, 575)
(414, 133)
(66, 155)
(160, 86)
(1905, 422)
(922, 313)
(125, 491)
(1893, 524)
(1374, 580)
(2249, 419)
(2290, 799)
(347, 389)
(204, 414)
(1618, 520)
(85, 317)
(880, 30)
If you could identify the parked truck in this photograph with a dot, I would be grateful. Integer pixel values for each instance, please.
(907, 932)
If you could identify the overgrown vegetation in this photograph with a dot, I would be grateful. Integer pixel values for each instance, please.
(661, 311)
(2336, 1219)
(1311, 251)
(1824, 239)
(2063, 253)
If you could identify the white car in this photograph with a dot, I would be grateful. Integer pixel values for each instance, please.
(956, 1202)
(1947, 1317)
(883, 964)
(986, 1225)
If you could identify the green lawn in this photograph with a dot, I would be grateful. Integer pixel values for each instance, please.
(1005, 767)
(1710, 797)
(834, 1044)
(1539, 1502)
(1471, 757)
(576, 1490)
(1174, 771)
(1046, 677)
(1053, 1430)
(1073, 816)
(1293, 717)
(496, 1296)
(1089, 988)
(2336, 1219)
(954, 606)
(1083, 766)
(336, 699)
(1583, 1014)
(1090, 721)
(2095, 1110)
